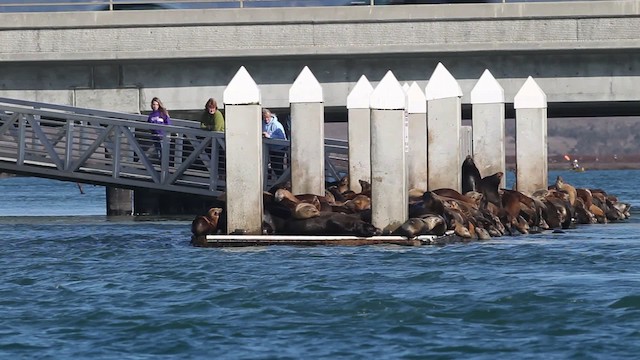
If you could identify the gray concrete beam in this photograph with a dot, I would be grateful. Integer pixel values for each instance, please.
(577, 51)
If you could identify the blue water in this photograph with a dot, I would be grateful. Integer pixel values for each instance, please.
(123, 288)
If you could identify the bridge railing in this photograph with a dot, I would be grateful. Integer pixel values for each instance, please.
(104, 5)
(101, 147)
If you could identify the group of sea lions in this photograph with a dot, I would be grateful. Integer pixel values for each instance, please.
(483, 210)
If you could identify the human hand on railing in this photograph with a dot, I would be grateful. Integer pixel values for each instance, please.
(266, 135)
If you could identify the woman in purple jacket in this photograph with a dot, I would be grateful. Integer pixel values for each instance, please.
(159, 115)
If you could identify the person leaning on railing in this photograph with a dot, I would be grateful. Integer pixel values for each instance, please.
(211, 118)
(273, 129)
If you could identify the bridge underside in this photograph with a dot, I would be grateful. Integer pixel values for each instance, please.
(576, 84)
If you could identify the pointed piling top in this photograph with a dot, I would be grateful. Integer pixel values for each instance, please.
(416, 102)
(530, 96)
(442, 85)
(358, 98)
(487, 90)
(242, 90)
(388, 95)
(405, 87)
(306, 88)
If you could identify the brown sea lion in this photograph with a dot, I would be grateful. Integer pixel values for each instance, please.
(359, 203)
(207, 224)
(428, 225)
(304, 210)
(470, 175)
(450, 193)
(489, 186)
(562, 185)
(366, 187)
(330, 223)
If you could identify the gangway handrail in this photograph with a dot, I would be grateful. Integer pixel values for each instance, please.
(93, 112)
(75, 144)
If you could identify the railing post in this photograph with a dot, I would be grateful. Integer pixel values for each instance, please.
(22, 123)
(444, 117)
(214, 164)
(68, 156)
(117, 143)
(531, 138)
(164, 158)
(487, 100)
(243, 142)
(359, 125)
(389, 193)
(307, 135)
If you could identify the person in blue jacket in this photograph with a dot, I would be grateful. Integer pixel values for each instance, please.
(159, 115)
(273, 129)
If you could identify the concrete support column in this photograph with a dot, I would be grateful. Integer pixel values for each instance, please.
(119, 201)
(444, 117)
(389, 193)
(417, 165)
(530, 104)
(359, 124)
(307, 135)
(244, 163)
(466, 142)
(487, 99)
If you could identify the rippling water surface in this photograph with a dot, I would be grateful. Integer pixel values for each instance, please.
(112, 288)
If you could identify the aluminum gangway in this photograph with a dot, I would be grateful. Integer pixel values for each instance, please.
(117, 149)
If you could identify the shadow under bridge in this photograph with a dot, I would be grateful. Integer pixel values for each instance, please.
(123, 150)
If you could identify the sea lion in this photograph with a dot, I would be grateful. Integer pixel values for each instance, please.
(428, 225)
(563, 186)
(359, 203)
(206, 224)
(304, 210)
(470, 175)
(489, 186)
(330, 223)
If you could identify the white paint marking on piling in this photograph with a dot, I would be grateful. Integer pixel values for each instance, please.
(242, 90)
(530, 96)
(359, 96)
(416, 101)
(442, 85)
(388, 95)
(487, 90)
(306, 88)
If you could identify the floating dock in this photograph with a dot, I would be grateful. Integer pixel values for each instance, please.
(315, 240)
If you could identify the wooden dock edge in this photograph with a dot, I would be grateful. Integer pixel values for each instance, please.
(319, 240)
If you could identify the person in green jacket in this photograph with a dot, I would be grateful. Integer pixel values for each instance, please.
(212, 118)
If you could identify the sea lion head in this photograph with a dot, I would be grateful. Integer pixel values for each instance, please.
(284, 194)
(305, 211)
(434, 225)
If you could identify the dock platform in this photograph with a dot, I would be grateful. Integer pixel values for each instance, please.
(317, 240)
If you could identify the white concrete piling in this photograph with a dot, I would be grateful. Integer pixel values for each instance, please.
(530, 104)
(444, 116)
(389, 193)
(307, 135)
(244, 165)
(487, 99)
(359, 133)
(466, 142)
(417, 138)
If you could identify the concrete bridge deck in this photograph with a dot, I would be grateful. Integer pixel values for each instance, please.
(584, 55)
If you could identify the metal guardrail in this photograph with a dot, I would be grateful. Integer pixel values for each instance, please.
(101, 5)
(117, 149)
(107, 5)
